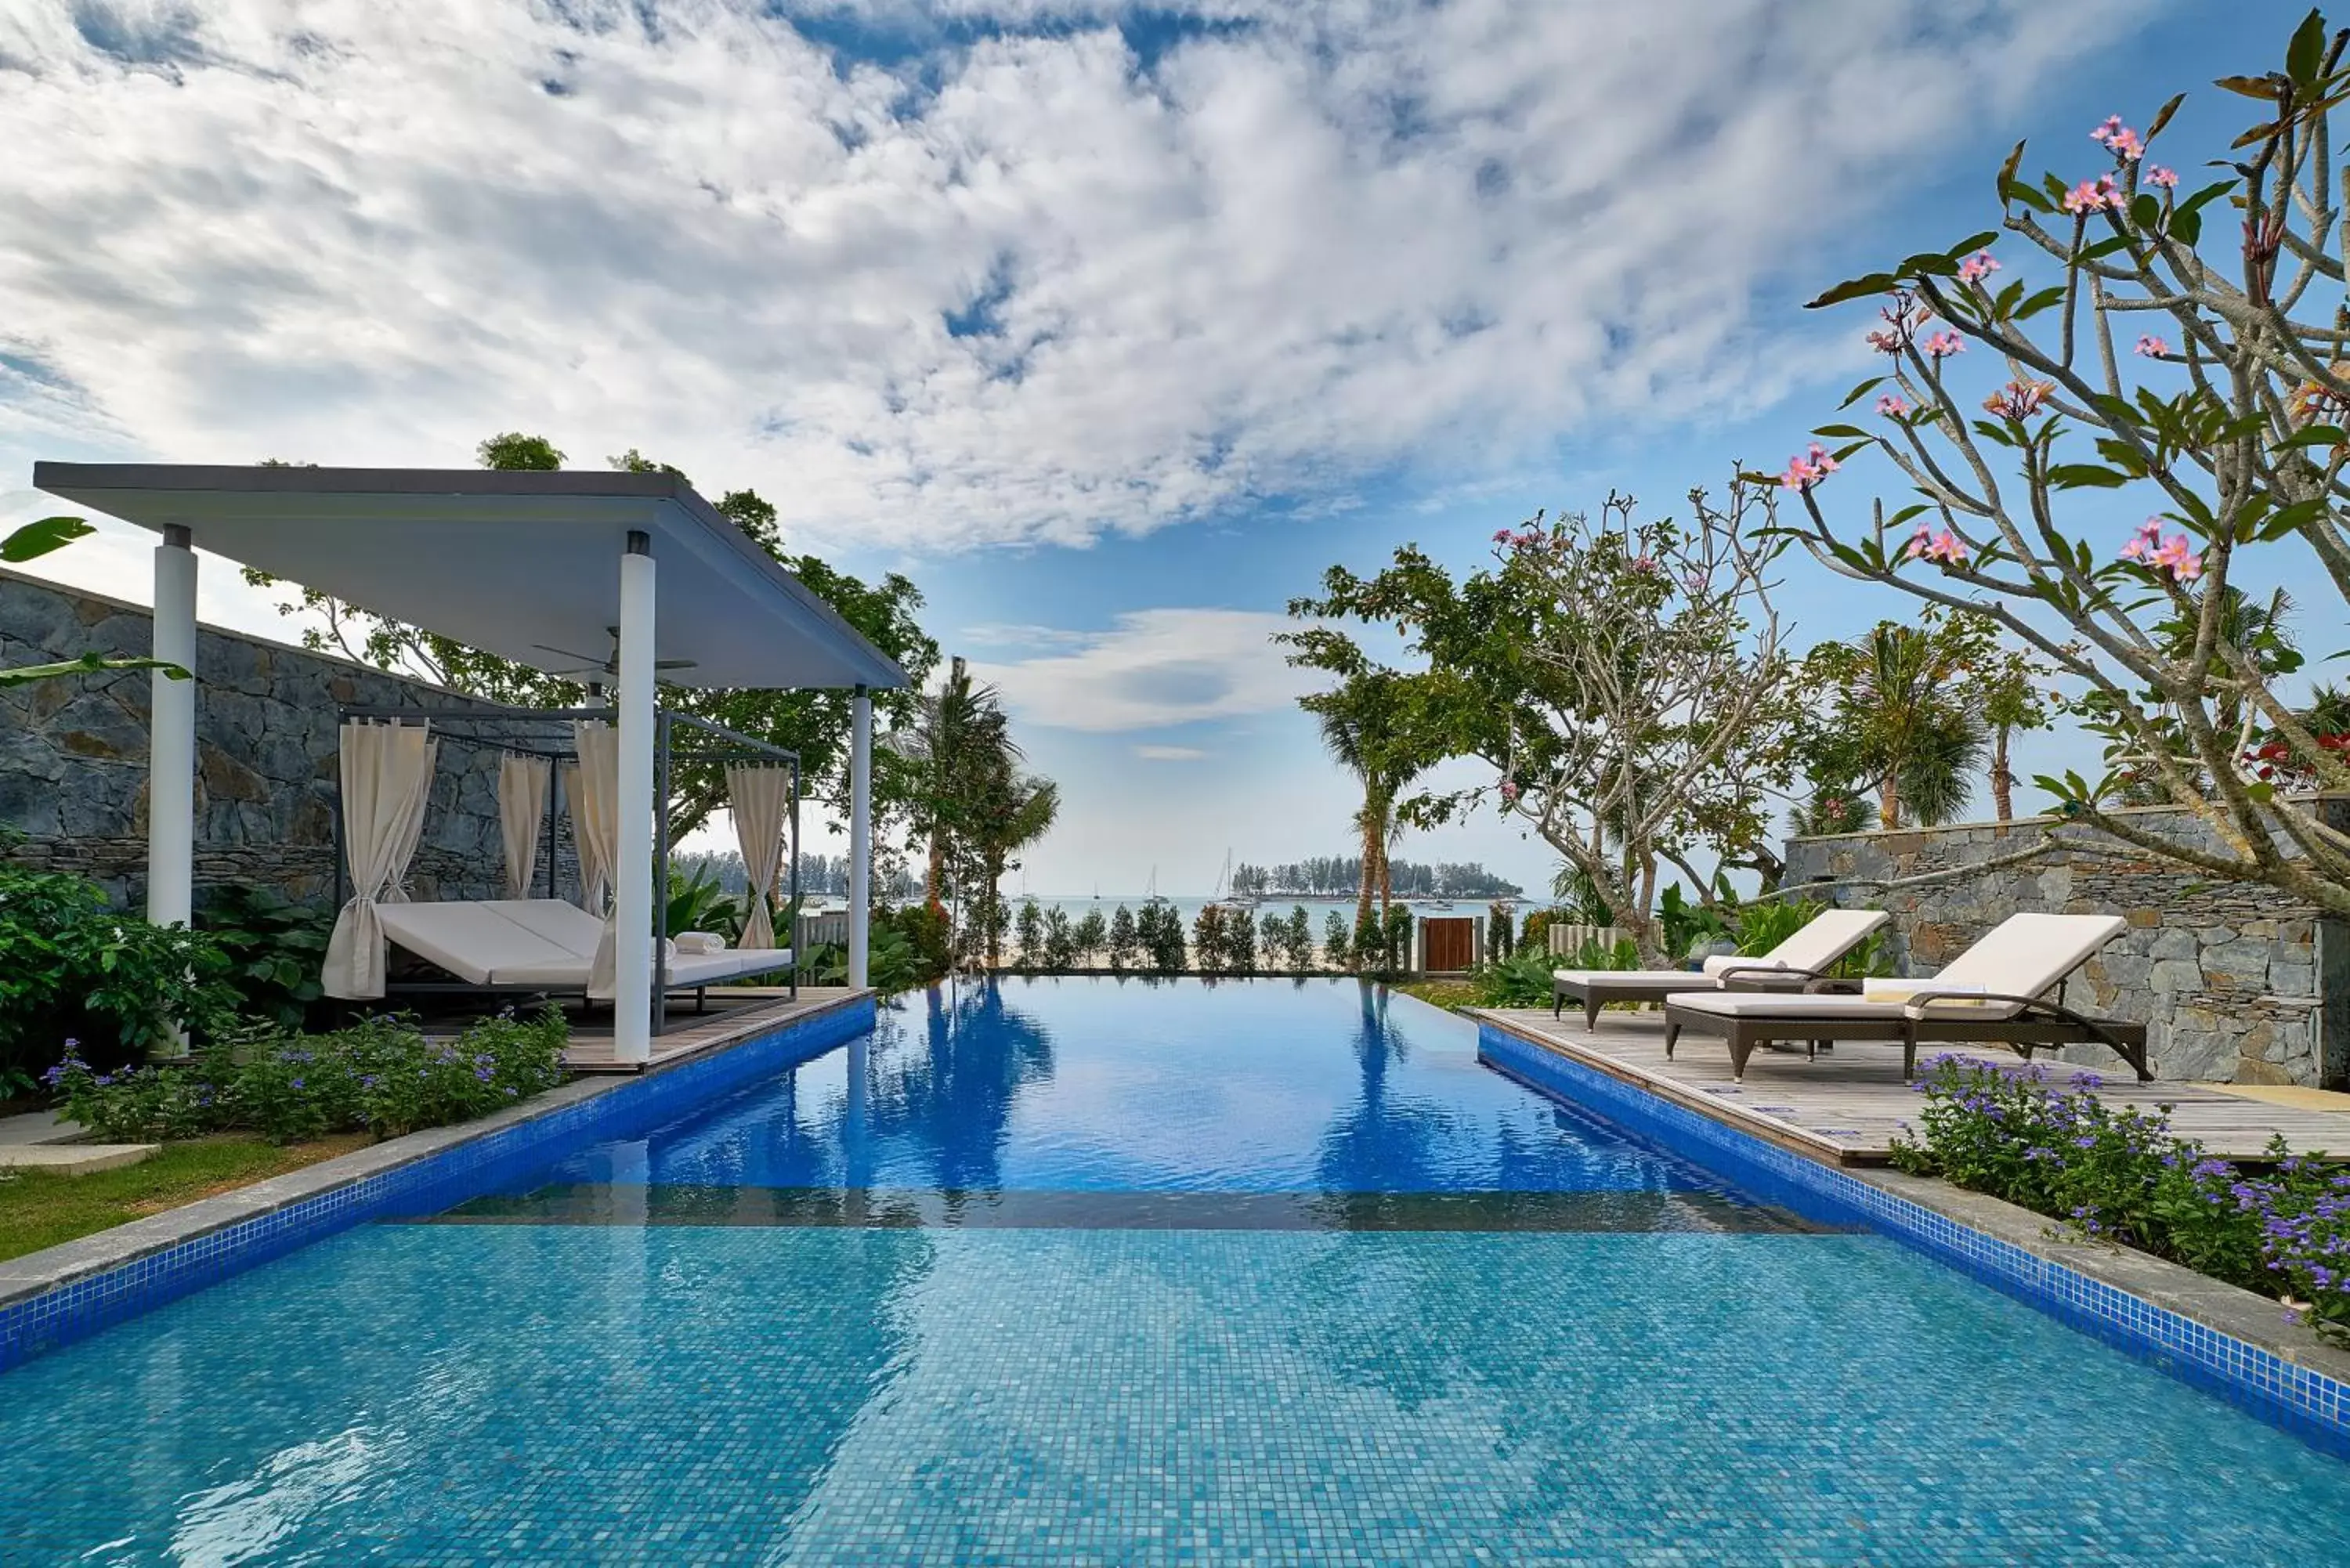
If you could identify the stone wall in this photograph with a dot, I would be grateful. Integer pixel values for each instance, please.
(2236, 983)
(73, 758)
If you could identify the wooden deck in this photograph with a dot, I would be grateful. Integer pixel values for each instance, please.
(736, 1013)
(1845, 1107)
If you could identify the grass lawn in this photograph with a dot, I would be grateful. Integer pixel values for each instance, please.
(1443, 992)
(42, 1207)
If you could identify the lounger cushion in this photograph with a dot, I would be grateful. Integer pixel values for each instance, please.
(1719, 963)
(2024, 955)
(1779, 1004)
(1825, 937)
(480, 945)
(709, 968)
(566, 925)
(1664, 979)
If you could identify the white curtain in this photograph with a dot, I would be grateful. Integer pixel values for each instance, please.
(387, 773)
(522, 808)
(759, 797)
(596, 818)
(594, 884)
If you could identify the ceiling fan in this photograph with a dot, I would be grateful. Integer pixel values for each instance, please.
(610, 667)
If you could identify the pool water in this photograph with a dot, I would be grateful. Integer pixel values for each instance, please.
(1082, 1272)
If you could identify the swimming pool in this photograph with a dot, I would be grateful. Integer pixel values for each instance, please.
(1076, 1271)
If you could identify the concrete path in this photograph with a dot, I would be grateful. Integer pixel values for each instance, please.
(39, 1127)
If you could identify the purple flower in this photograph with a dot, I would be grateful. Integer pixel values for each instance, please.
(297, 1083)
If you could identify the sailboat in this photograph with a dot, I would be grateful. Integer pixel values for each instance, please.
(1151, 891)
(1225, 893)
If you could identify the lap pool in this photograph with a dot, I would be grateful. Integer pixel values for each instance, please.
(1088, 1271)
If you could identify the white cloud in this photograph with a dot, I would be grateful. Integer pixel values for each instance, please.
(1156, 668)
(1030, 287)
(1170, 754)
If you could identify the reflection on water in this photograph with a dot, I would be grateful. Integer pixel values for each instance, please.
(1093, 1086)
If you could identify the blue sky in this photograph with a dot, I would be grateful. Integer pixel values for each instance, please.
(1111, 326)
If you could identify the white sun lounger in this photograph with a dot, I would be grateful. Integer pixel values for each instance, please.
(1992, 993)
(1799, 961)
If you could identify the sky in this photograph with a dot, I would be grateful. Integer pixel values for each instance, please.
(1111, 326)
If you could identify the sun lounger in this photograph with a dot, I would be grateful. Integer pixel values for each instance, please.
(1800, 963)
(1994, 993)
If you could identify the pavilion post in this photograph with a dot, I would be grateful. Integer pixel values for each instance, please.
(632, 869)
(860, 834)
(171, 740)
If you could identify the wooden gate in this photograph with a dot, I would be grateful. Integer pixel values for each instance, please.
(1448, 945)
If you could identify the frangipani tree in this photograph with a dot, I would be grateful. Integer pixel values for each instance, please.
(30, 542)
(2201, 382)
(1626, 679)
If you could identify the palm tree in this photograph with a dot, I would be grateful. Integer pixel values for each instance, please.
(1922, 740)
(1363, 729)
(1011, 811)
(956, 730)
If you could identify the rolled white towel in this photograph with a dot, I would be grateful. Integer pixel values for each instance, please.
(1890, 990)
(701, 942)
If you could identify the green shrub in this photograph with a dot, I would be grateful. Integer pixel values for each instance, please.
(381, 1075)
(1092, 935)
(74, 969)
(1522, 980)
(2124, 1174)
(1209, 944)
(1337, 950)
(1239, 943)
(1125, 940)
(275, 950)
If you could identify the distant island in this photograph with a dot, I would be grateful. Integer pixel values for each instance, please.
(1338, 877)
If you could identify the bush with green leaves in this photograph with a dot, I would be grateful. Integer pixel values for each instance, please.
(381, 1074)
(1239, 943)
(1338, 944)
(74, 968)
(1208, 942)
(1092, 936)
(2122, 1174)
(276, 948)
(1124, 943)
(1028, 930)
(1162, 931)
(1060, 946)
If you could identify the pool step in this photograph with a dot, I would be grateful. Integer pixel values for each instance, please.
(74, 1159)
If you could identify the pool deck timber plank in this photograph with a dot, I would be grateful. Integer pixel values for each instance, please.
(1844, 1107)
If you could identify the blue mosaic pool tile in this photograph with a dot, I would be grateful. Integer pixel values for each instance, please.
(2306, 1401)
(56, 1317)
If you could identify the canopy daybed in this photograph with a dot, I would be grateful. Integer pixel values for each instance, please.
(532, 567)
(543, 944)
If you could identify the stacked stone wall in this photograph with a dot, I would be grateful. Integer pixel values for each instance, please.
(73, 758)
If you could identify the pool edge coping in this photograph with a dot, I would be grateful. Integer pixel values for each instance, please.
(2225, 1334)
(124, 1249)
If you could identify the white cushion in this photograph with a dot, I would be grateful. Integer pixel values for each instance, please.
(1827, 937)
(1903, 990)
(1781, 1004)
(1721, 963)
(565, 925)
(2024, 955)
(480, 945)
(709, 968)
(1641, 977)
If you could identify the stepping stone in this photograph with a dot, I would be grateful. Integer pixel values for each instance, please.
(74, 1159)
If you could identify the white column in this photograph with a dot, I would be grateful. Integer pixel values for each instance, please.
(860, 834)
(172, 738)
(632, 875)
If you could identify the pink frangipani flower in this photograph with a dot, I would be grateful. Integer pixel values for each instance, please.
(2152, 347)
(1891, 406)
(2120, 138)
(1942, 344)
(2158, 175)
(1946, 547)
(2094, 195)
(2019, 400)
(2147, 547)
(1885, 342)
(1980, 265)
(1808, 469)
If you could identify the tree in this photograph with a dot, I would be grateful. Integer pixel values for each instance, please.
(1896, 714)
(1092, 932)
(1209, 940)
(515, 451)
(1338, 952)
(1009, 810)
(1367, 730)
(1125, 940)
(1624, 678)
(2227, 435)
(1031, 937)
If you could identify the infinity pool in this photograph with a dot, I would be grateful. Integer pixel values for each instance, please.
(1082, 1272)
